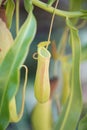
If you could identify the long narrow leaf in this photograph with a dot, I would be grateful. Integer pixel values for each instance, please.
(71, 113)
(9, 74)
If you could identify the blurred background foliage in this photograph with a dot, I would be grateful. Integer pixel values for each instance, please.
(43, 24)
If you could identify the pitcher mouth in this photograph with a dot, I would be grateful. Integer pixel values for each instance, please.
(44, 52)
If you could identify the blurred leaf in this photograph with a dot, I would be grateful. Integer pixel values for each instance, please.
(72, 110)
(28, 5)
(75, 5)
(85, 13)
(10, 6)
(66, 68)
(50, 2)
(84, 53)
(83, 123)
(9, 73)
(0, 2)
(54, 50)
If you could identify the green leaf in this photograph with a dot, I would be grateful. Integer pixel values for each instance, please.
(84, 53)
(66, 68)
(85, 14)
(9, 74)
(83, 123)
(75, 5)
(10, 6)
(50, 2)
(72, 110)
(83, 11)
(28, 5)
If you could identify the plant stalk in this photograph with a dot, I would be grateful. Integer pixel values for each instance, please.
(58, 12)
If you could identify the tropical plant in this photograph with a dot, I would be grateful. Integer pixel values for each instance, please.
(13, 53)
